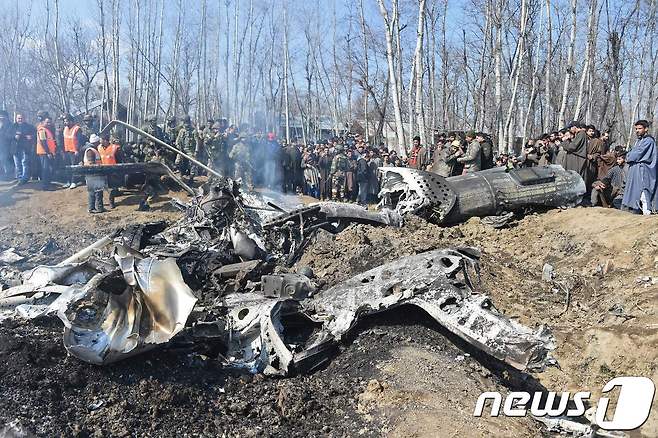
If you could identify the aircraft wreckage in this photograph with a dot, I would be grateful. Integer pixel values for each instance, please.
(489, 192)
(137, 289)
(222, 275)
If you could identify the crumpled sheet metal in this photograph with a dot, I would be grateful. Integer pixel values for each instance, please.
(111, 313)
(439, 282)
(255, 342)
(356, 213)
(104, 327)
(417, 191)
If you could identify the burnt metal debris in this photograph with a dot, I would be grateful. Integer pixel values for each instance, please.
(221, 274)
(489, 192)
(137, 289)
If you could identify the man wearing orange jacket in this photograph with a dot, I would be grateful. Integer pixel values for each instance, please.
(46, 150)
(74, 141)
(110, 153)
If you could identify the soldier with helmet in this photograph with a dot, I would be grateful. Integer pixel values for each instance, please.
(149, 148)
(151, 152)
(217, 149)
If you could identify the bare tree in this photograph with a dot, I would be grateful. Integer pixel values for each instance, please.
(390, 25)
(569, 64)
(418, 58)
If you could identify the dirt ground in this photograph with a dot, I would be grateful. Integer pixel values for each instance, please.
(400, 375)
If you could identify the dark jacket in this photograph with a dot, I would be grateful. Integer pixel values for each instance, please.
(362, 170)
(6, 138)
(27, 138)
(576, 158)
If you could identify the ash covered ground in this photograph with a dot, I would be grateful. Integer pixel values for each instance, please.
(399, 374)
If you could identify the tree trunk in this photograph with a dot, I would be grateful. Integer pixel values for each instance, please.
(498, 57)
(365, 75)
(516, 74)
(570, 56)
(61, 81)
(533, 90)
(591, 35)
(285, 69)
(548, 64)
(393, 78)
(420, 117)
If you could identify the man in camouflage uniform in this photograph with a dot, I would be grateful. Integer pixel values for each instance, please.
(207, 131)
(241, 156)
(186, 142)
(170, 130)
(87, 126)
(153, 129)
(339, 166)
(217, 150)
(150, 153)
(202, 134)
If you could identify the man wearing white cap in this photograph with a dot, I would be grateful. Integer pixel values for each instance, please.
(95, 183)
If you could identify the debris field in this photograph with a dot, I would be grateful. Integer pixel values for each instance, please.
(249, 314)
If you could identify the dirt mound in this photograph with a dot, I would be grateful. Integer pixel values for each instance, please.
(600, 300)
(362, 247)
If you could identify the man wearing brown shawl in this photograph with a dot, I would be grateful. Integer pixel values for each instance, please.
(576, 151)
(594, 152)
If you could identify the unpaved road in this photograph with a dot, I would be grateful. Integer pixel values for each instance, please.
(399, 376)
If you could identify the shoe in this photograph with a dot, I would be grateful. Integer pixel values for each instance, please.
(113, 205)
(66, 186)
(90, 211)
(73, 185)
(101, 210)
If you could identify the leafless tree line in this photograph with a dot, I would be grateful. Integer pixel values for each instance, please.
(513, 68)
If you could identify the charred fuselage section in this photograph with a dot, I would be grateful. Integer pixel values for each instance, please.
(486, 193)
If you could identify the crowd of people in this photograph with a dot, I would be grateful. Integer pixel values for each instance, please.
(341, 168)
(613, 176)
